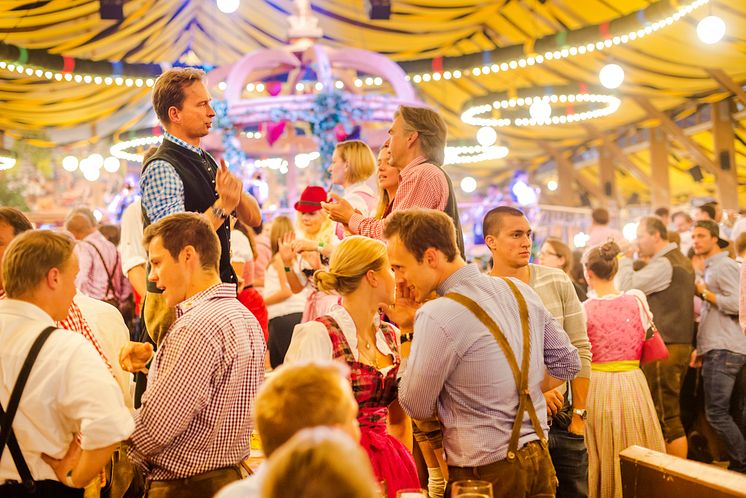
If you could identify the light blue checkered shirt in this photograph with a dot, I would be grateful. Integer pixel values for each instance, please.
(161, 187)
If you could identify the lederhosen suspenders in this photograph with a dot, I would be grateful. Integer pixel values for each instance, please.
(520, 375)
(7, 436)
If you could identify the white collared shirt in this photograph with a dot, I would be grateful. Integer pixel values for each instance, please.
(69, 391)
(108, 327)
(311, 339)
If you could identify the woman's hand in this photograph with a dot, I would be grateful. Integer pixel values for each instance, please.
(404, 308)
(303, 245)
(286, 249)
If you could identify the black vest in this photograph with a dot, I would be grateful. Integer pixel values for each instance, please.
(451, 210)
(197, 173)
(673, 307)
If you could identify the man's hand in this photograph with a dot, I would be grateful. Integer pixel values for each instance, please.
(554, 400)
(228, 187)
(68, 462)
(699, 286)
(339, 210)
(134, 356)
(404, 308)
(694, 360)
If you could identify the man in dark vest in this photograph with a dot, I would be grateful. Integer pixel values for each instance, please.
(181, 176)
(668, 282)
(417, 143)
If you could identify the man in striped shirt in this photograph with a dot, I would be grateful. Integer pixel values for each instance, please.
(458, 369)
(194, 426)
(508, 235)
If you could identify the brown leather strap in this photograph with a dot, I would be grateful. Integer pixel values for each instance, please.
(520, 375)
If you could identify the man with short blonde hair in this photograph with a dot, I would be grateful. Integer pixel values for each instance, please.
(295, 397)
(73, 392)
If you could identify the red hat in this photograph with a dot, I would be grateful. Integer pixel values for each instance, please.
(311, 199)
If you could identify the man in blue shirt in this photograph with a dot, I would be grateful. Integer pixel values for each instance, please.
(466, 372)
(721, 345)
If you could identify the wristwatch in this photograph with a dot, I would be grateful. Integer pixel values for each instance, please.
(581, 412)
(704, 294)
(219, 211)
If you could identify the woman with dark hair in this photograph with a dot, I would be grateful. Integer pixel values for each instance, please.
(557, 254)
(620, 409)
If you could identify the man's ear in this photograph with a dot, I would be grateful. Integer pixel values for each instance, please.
(53, 278)
(491, 242)
(413, 137)
(430, 256)
(174, 115)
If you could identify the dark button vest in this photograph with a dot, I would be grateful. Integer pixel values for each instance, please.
(197, 173)
(451, 210)
(673, 307)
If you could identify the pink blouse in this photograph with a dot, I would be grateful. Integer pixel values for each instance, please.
(616, 326)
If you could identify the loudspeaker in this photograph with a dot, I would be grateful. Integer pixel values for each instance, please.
(378, 9)
(696, 173)
(112, 9)
(634, 198)
(725, 160)
(607, 189)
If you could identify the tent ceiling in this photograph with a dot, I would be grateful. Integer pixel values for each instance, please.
(668, 67)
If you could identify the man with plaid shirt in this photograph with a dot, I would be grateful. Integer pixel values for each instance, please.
(194, 426)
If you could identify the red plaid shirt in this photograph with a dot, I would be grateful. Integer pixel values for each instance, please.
(421, 185)
(196, 413)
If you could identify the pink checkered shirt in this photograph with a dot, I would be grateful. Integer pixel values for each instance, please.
(421, 185)
(196, 414)
(93, 278)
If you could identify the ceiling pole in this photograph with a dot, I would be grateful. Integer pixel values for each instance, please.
(618, 155)
(724, 141)
(565, 194)
(659, 169)
(607, 178)
(727, 82)
(695, 151)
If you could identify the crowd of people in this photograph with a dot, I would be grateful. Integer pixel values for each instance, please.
(357, 340)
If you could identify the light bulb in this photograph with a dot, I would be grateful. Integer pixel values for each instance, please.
(96, 160)
(228, 6)
(70, 163)
(111, 164)
(630, 231)
(486, 136)
(580, 239)
(611, 76)
(468, 184)
(552, 185)
(90, 173)
(711, 29)
(540, 110)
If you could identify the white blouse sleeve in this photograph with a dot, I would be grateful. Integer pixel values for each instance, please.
(642, 304)
(310, 342)
(240, 248)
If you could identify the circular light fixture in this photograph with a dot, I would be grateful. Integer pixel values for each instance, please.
(7, 162)
(711, 29)
(468, 184)
(228, 6)
(540, 110)
(70, 163)
(552, 185)
(120, 150)
(486, 136)
(630, 231)
(302, 161)
(111, 164)
(611, 76)
(593, 105)
(473, 154)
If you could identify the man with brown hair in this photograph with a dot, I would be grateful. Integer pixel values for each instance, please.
(668, 282)
(417, 140)
(194, 426)
(69, 390)
(470, 361)
(12, 223)
(295, 397)
(181, 176)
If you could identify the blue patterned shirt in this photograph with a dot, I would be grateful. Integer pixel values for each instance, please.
(161, 187)
(457, 369)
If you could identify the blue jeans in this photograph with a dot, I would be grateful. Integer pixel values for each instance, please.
(570, 458)
(719, 371)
